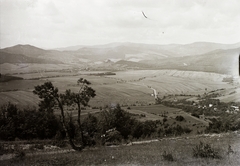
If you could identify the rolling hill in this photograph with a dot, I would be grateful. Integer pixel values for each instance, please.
(27, 50)
(218, 61)
(200, 56)
(196, 48)
(19, 58)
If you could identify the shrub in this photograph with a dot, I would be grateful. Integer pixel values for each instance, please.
(39, 146)
(205, 151)
(167, 156)
(113, 137)
(164, 120)
(90, 125)
(20, 154)
(60, 143)
(2, 150)
(194, 114)
(18, 151)
(116, 118)
(179, 118)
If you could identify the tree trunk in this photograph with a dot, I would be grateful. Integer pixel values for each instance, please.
(79, 122)
(77, 148)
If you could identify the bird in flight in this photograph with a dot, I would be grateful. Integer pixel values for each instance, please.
(144, 14)
(151, 20)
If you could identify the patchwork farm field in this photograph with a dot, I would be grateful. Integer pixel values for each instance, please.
(133, 87)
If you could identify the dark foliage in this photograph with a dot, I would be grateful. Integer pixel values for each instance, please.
(205, 151)
(26, 124)
(116, 118)
(6, 78)
(180, 118)
(143, 129)
(223, 125)
(167, 156)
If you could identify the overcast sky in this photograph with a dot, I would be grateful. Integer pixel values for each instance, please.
(61, 23)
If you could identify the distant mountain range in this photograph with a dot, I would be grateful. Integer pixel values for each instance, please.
(179, 49)
(200, 56)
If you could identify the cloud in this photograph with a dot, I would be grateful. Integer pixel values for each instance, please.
(57, 23)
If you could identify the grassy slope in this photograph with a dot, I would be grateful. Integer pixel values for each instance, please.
(232, 95)
(144, 154)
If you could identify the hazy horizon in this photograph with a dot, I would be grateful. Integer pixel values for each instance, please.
(92, 45)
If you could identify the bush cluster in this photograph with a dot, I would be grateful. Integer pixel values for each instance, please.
(180, 118)
(173, 131)
(205, 151)
(223, 125)
(26, 124)
(115, 124)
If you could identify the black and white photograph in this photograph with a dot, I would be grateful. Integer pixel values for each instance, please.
(119, 82)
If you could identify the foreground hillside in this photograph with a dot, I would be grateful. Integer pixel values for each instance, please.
(140, 153)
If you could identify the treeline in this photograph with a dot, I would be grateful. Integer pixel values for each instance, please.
(110, 126)
(6, 78)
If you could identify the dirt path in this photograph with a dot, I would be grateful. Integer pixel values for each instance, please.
(154, 90)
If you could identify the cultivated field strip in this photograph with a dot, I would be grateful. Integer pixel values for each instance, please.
(126, 87)
(20, 98)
